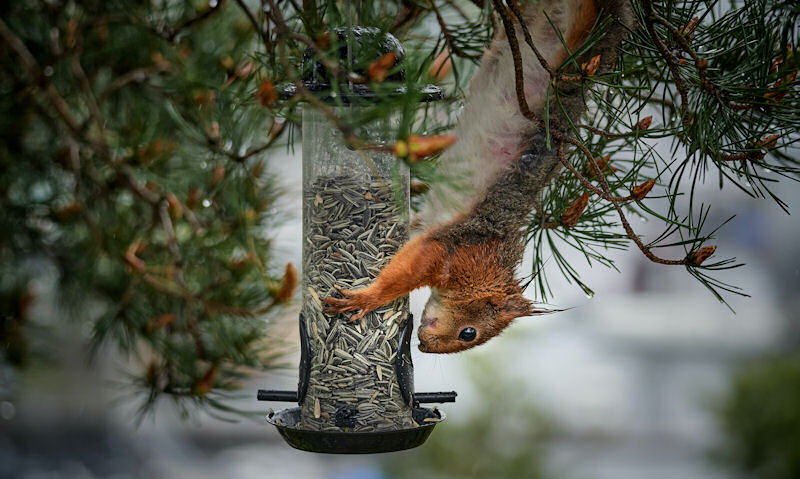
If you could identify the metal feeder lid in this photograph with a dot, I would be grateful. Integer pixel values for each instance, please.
(344, 442)
(368, 44)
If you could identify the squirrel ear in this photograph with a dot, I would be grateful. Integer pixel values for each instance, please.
(518, 305)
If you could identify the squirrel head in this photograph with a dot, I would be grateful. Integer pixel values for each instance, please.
(453, 321)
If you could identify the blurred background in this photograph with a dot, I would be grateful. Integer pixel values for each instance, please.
(651, 377)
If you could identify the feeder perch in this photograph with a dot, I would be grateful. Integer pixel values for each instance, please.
(356, 388)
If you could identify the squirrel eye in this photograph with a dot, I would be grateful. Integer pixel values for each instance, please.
(467, 334)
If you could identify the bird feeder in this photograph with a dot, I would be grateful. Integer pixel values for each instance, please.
(355, 390)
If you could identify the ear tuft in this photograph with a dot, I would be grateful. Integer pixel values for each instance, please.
(518, 305)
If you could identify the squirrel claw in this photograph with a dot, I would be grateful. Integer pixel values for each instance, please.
(338, 305)
(350, 302)
(358, 316)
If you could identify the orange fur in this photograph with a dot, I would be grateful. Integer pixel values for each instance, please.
(418, 263)
(582, 25)
(473, 284)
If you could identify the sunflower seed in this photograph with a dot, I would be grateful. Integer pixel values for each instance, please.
(351, 228)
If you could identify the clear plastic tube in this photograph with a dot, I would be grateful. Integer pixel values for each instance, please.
(355, 217)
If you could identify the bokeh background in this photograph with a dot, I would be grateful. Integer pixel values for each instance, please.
(650, 378)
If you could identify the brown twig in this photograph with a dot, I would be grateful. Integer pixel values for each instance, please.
(256, 26)
(529, 40)
(519, 81)
(170, 33)
(348, 133)
(167, 286)
(136, 75)
(448, 38)
(283, 29)
(744, 156)
(700, 64)
(623, 219)
(585, 182)
(275, 133)
(668, 57)
(406, 15)
(65, 115)
(604, 133)
(561, 138)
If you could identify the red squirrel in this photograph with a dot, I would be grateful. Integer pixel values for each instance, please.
(472, 239)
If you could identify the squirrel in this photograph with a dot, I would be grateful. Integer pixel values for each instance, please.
(472, 238)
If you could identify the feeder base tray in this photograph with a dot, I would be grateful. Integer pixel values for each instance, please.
(340, 442)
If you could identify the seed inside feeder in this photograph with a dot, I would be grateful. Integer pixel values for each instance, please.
(352, 228)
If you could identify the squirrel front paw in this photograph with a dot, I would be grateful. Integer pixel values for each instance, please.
(353, 301)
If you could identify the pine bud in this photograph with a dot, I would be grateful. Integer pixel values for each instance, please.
(204, 98)
(26, 300)
(159, 322)
(417, 147)
(640, 191)
(175, 207)
(193, 197)
(205, 7)
(152, 374)
(219, 173)
(401, 149)
(701, 255)
(276, 128)
(246, 69)
(206, 383)
(102, 29)
(68, 211)
(572, 214)
(379, 69)
(239, 264)
(257, 169)
(418, 187)
(213, 131)
(702, 63)
(688, 30)
(778, 95)
(768, 142)
(590, 68)
(72, 33)
(157, 58)
(323, 41)
(266, 94)
(644, 123)
(226, 62)
(134, 261)
(603, 165)
(776, 64)
(288, 284)
(158, 149)
(442, 66)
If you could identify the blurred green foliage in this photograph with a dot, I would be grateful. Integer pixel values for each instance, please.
(134, 136)
(760, 420)
(717, 82)
(507, 439)
(132, 151)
